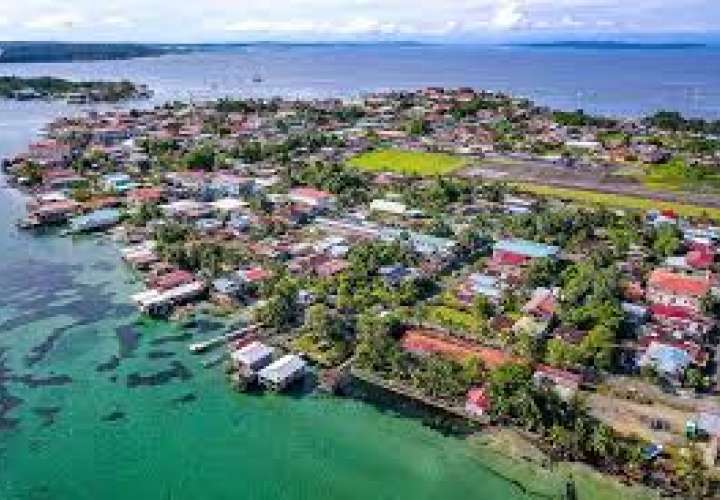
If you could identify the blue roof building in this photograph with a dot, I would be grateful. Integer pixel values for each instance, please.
(527, 248)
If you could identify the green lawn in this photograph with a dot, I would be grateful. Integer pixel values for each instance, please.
(407, 162)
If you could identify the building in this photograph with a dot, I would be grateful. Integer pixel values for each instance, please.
(118, 182)
(424, 342)
(520, 252)
(675, 289)
(477, 403)
(160, 303)
(281, 373)
(252, 357)
(320, 200)
(565, 383)
(669, 360)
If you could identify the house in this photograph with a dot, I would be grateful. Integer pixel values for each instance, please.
(143, 196)
(477, 403)
(675, 289)
(396, 274)
(226, 288)
(171, 280)
(117, 182)
(542, 304)
(565, 383)
(478, 284)
(393, 208)
(279, 374)
(520, 252)
(161, 302)
(669, 360)
(252, 357)
(254, 275)
(319, 200)
(424, 342)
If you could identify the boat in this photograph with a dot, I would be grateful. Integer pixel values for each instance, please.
(257, 78)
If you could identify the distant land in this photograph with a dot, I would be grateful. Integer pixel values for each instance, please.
(27, 52)
(612, 45)
(43, 52)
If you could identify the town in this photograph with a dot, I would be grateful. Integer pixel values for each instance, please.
(406, 239)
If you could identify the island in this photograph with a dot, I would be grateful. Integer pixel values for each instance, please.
(74, 92)
(494, 262)
(43, 52)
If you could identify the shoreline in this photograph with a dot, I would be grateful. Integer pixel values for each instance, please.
(527, 466)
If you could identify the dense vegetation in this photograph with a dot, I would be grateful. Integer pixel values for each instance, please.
(57, 87)
(30, 52)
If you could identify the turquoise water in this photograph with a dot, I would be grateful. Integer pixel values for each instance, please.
(96, 403)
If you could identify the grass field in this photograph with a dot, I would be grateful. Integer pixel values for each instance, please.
(619, 200)
(407, 162)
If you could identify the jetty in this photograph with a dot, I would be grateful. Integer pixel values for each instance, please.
(200, 347)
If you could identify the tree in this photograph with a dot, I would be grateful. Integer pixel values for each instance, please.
(544, 272)
(667, 240)
(281, 309)
(202, 158)
(690, 469)
(482, 308)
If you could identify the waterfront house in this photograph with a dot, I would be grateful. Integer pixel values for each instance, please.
(171, 279)
(95, 221)
(161, 302)
(252, 357)
(281, 373)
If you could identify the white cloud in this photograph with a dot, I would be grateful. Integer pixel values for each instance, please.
(117, 21)
(508, 15)
(217, 20)
(52, 22)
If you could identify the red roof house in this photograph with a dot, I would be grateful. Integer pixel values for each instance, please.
(478, 402)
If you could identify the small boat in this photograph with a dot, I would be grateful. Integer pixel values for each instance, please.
(257, 79)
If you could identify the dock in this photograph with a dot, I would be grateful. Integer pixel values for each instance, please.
(201, 347)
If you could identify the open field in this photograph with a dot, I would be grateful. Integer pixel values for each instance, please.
(407, 162)
(619, 200)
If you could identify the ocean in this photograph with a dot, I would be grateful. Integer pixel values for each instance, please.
(97, 402)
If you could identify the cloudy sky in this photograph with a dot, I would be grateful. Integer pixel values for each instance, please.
(241, 20)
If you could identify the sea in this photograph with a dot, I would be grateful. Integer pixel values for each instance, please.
(97, 402)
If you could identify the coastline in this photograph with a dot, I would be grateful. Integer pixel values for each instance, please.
(516, 459)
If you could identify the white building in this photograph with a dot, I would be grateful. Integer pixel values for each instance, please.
(283, 372)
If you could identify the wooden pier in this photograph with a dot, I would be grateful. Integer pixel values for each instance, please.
(201, 347)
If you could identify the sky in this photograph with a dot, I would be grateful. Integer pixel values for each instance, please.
(322, 20)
